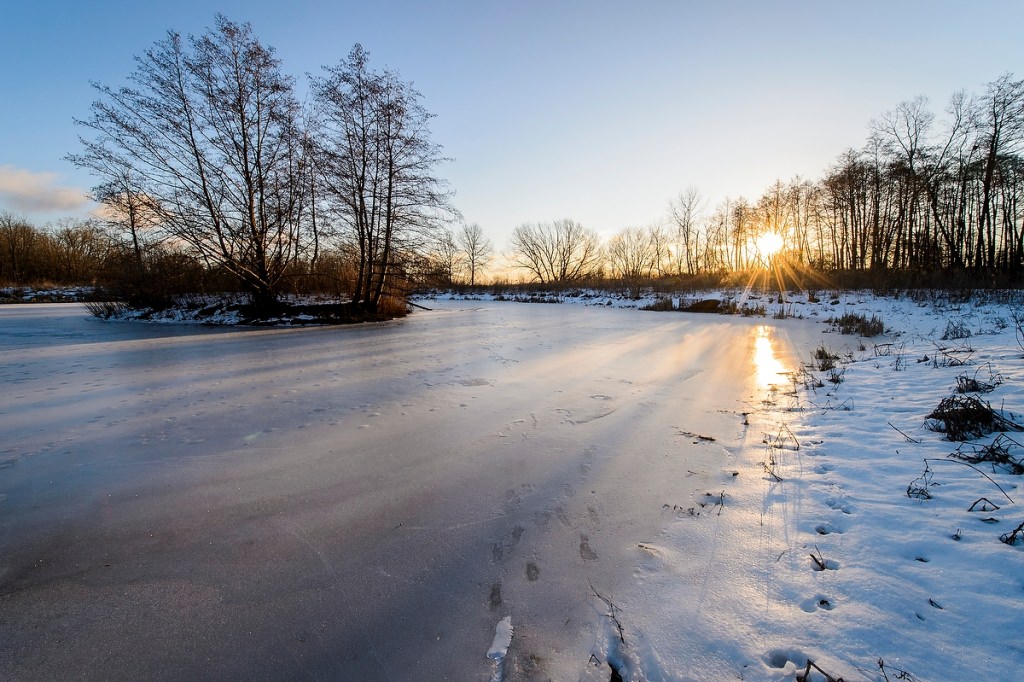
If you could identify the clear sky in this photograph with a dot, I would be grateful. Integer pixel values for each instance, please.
(594, 110)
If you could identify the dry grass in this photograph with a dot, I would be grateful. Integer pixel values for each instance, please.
(858, 324)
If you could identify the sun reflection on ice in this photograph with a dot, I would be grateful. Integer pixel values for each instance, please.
(768, 369)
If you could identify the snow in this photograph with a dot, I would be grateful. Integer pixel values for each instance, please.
(499, 647)
(671, 496)
(54, 295)
(502, 639)
(925, 586)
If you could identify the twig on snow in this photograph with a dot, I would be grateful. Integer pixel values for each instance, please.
(612, 609)
(806, 675)
(967, 464)
(909, 439)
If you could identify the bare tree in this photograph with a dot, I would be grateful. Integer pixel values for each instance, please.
(448, 258)
(476, 248)
(684, 213)
(903, 135)
(20, 244)
(378, 169)
(661, 244)
(1000, 116)
(129, 212)
(79, 249)
(209, 130)
(632, 254)
(555, 252)
(943, 175)
(905, 130)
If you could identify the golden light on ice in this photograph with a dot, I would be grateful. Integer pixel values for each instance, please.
(767, 367)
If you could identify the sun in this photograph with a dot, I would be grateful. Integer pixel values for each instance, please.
(768, 244)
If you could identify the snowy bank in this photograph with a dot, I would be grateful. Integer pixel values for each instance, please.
(849, 538)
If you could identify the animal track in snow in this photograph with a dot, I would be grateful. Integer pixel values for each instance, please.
(817, 602)
(839, 505)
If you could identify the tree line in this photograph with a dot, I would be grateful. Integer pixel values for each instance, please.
(924, 194)
(211, 175)
(70, 252)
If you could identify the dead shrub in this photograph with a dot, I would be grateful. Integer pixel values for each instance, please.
(958, 356)
(824, 359)
(391, 306)
(997, 454)
(971, 384)
(106, 309)
(1014, 536)
(919, 487)
(1017, 315)
(956, 329)
(861, 325)
(966, 418)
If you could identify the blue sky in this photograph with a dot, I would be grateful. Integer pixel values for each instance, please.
(598, 111)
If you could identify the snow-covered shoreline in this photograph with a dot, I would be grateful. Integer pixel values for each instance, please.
(818, 553)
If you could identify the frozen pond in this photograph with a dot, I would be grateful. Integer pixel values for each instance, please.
(363, 503)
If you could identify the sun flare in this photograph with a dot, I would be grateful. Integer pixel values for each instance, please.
(768, 244)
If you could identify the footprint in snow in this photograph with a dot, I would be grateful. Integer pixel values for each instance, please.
(495, 597)
(783, 658)
(498, 549)
(586, 553)
(839, 505)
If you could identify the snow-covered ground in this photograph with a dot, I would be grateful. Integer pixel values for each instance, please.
(67, 294)
(808, 546)
(492, 490)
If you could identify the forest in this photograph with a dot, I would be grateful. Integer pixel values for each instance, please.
(211, 177)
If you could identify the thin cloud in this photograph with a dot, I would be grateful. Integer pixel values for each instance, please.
(24, 190)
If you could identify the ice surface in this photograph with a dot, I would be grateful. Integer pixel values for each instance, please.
(364, 502)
